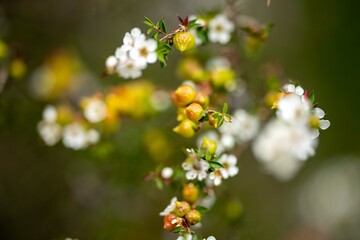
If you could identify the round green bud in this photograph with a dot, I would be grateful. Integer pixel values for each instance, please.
(181, 208)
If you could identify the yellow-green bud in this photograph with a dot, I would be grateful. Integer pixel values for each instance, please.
(185, 128)
(193, 217)
(213, 122)
(221, 77)
(181, 208)
(184, 95)
(190, 193)
(193, 112)
(208, 145)
(184, 41)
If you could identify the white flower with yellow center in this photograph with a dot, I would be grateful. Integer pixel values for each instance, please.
(195, 168)
(130, 69)
(75, 136)
(95, 110)
(144, 52)
(220, 29)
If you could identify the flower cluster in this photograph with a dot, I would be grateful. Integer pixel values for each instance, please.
(133, 56)
(99, 114)
(203, 170)
(290, 138)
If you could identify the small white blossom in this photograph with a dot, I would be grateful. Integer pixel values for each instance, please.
(50, 132)
(130, 39)
(195, 168)
(170, 207)
(50, 114)
(293, 109)
(111, 63)
(160, 100)
(93, 136)
(229, 162)
(220, 29)
(185, 237)
(167, 172)
(210, 238)
(283, 168)
(209, 200)
(144, 52)
(75, 136)
(243, 128)
(130, 69)
(95, 110)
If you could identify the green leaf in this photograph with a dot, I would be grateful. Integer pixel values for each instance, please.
(215, 115)
(177, 229)
(208, 156)
(215, 165)
(225, 108)
(162, 25)
(312, 97)
(149, 31)
(202, 209)
(159, 184)
(148, 22)
(193, 24)
(221, 121)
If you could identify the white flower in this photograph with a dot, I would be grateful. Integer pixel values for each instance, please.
(215, 177)
(218, 63)
(210, 238)
(167, 172)
(160, 100)
(50, 114)
(293, 109)
(208, 201)
(291, 88)
(111, 63)
(95, 110)
(50, 132)
(195, 168)
(220, 29)
(279, 139)
(130, 69)
(283, 168)
(144, 52)
(283, 147)
(243, 128)
(170, 207)
(185, 237)
(130, 39)
(229, 162)
(75, 136)
(320, 114)
(93, 136)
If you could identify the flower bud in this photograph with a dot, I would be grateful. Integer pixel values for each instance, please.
(222, 77)
(202, 99)
(184, 95)
(111, 63)
(190, 193)
(213, 122)
(181, 208)
(193, 217)
(208, 145)
(184, 41)
(185, 128)
(171, 221)
(194, 112)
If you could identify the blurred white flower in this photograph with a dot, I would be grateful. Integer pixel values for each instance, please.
(215, 177)
(167, 172)
(50, 132)
(210, 238)
(195, 168)
(283, 168)
(93, 136)
(209, 200)
(170, 207)
(50, 114)
(160, 100)
(243, 128)
(95, 110)
(111, 63)
(75, 136)
(280, 142)
(293, 109)
(220, 29)
(185, 237)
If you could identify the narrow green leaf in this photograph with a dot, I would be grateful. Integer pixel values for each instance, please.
(148, 22)
(177, 229)
(159, 183)
(202, 209)
(225, 108)
(214, 164)
(149, 31)
(208, 156)
(162, 25)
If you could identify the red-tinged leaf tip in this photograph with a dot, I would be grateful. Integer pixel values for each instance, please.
(186, 21)
(306, 94)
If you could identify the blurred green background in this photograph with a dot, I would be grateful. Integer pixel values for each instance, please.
(53, 192)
